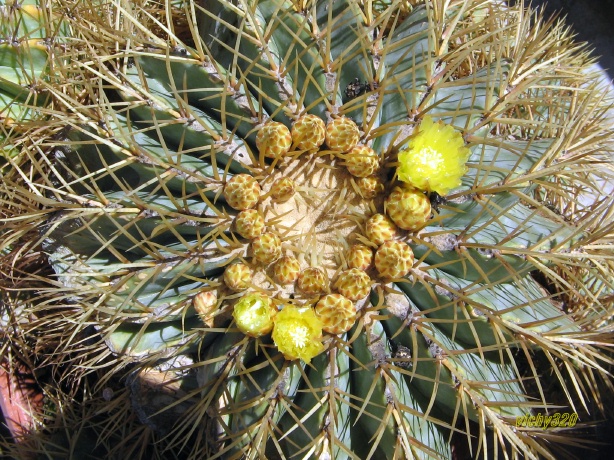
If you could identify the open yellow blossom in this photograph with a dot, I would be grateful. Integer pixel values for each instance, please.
(298, 333)
(254, 314)
(435, 160)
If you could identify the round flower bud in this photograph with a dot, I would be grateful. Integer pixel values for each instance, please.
(283, 189)
(308, 132)
(254, 314)
(242, 192)
(362, 161)
(342, 134)
(369, 187)
(360, 256)
(435, 160)
(205, 304)
(312, 281)
(337, 313)
(394, 259)
(286, 270)
(249, 224)
(273, 140)
(266, 248)
(354, 284)
(238, 277)
(297, 333)
(379, 229)
(409, 208)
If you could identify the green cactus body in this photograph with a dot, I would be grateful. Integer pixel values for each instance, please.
(30, 41)
(144, 221)
(28, 34)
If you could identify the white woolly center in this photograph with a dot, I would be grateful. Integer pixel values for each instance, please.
(299, 336)
(319, 222)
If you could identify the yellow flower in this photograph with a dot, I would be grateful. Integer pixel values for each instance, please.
(435, 160)
(298, 333)
(254, 314)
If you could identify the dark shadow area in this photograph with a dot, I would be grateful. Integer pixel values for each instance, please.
(5, 434)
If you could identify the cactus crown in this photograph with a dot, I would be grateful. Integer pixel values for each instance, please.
(328, 268)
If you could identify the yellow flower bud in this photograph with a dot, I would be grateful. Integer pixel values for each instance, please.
(435, 160)
(205, 304)
(283, 189)
(237, 277)
(298, 333)
(273, 140)
(254, 314)
(308, 132)
(338, 313)
(407, 207)
(360, 256)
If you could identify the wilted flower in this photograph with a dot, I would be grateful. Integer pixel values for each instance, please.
(435, 160)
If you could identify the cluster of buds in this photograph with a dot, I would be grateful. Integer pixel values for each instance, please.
(393, 258)
(298, 331)
(361, 161)
(309, 133)
(434, 162)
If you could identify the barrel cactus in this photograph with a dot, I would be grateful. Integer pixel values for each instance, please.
(343, 229)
